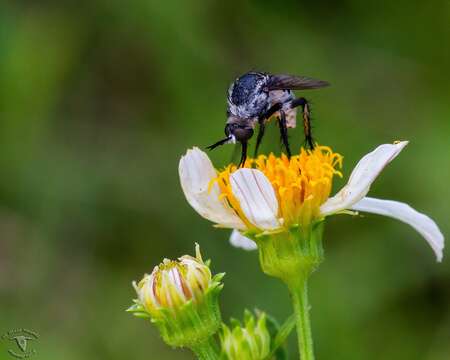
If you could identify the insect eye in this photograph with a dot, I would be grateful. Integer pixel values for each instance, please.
(229, 129)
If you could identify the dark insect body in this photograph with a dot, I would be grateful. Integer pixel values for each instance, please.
(255, 97)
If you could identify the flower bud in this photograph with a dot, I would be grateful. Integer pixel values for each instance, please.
(173, 283)
(248, 342)
(181, 298)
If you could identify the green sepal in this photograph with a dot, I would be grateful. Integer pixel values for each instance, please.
(290, 255)
(218, 277)
(235, 322)
(138, 310)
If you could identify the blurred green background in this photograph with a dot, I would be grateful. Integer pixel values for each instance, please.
(98, 101)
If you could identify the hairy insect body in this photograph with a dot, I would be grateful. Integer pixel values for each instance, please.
(255, 97)
(247, 96)
(284, 97)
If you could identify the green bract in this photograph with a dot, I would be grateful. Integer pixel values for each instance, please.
(291, 255)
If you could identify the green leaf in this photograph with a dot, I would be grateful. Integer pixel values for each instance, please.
(278, 349)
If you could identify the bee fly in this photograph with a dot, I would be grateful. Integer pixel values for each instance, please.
(255, 97)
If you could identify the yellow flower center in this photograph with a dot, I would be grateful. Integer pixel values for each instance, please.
(301, 183)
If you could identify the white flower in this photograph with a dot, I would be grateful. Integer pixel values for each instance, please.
(280, 193)
(240, 241)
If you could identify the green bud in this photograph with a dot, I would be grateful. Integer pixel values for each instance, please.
(181, 299)
(248, 342)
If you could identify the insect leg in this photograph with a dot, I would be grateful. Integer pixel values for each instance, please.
(306, 119)
(283, 132)
(273, 109)
(262, 128)
(244, 154)
(262, 123)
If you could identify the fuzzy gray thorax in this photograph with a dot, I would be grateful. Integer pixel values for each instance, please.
(248, 96)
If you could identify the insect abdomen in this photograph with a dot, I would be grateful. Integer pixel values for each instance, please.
(284, 97)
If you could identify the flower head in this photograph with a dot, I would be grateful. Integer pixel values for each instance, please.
(248, 342)
(180, 297)
(300, 185)
(174, 283)
(274, 194)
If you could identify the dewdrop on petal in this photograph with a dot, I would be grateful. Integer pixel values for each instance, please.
(181, 299)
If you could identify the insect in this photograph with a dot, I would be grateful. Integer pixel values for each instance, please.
(255, 97)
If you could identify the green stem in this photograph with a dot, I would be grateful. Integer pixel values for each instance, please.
(206, 350)
(299, 296)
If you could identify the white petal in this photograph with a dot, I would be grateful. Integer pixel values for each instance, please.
(256, 197)
(196, 172)
(240, 241)
(363, 175)
(403, 212)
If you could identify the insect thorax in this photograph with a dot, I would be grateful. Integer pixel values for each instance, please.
(247, 96)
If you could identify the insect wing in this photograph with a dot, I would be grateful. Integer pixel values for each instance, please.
(292, 82)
